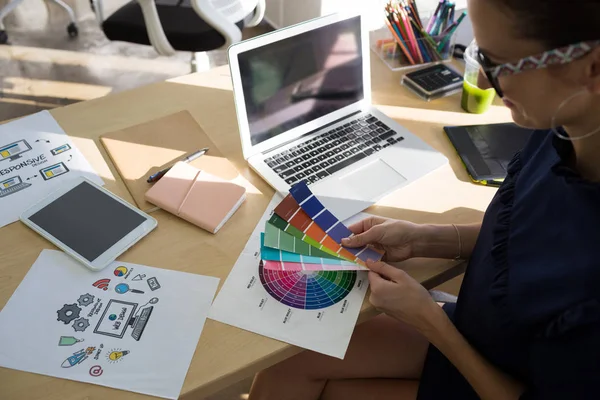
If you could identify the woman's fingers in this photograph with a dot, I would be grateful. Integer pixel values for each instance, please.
(366, 224)
(385, 270)
(371, 236)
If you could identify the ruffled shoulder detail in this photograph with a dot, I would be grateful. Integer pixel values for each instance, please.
(499, 252)
(579, 315)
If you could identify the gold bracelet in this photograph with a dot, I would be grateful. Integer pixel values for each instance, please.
(459, 256)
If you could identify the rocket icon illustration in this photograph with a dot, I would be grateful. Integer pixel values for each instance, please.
(75, 359)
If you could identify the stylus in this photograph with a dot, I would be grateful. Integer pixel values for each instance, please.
(197, 154)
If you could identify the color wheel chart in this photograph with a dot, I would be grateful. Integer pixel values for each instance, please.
(307, 290)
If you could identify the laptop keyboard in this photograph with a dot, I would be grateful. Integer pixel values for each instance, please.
(326, 154)
(14, 189)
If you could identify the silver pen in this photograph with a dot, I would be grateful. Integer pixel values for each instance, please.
(197, 154)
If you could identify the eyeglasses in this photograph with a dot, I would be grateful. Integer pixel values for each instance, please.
(563, 55)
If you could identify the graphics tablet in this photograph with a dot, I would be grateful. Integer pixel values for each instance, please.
(88, 222)
(486, 150)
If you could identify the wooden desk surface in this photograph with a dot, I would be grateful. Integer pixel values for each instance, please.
(226, 354)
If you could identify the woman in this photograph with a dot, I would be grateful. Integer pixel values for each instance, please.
(527, 321)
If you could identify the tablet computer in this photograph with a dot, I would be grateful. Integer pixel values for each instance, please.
(88, 222)
(486, 150)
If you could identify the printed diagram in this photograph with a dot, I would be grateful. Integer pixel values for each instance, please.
(85, 300)
(116, 355)
(307, 290)
(120, 271)
(96, 370)
(153, 300)
(139, 277)
(54, 171)
(153, 283)
(119, 315)
(80, 324)
(78, 357)
(101, 284)
(71, 313)
(68, 313)
(68, 341)
(123, 288)
(60, 149)
(12, 185)
(13, 151)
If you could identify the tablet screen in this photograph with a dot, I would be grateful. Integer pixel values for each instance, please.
(87, 220)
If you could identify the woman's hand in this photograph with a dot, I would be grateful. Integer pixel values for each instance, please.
(394, 237)
(398, 295)
(402, 240)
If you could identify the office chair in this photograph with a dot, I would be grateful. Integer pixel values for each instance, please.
(181, 25)
(12, 4)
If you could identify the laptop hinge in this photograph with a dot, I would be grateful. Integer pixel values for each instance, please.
(313, 131)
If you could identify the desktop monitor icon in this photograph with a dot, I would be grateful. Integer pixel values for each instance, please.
(119, 315)
(14, 150)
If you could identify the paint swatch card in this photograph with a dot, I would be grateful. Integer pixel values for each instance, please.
(313, 309)
(290, 211)
(127, 327)
(284, 260)
(285, 226)
(306, 213)
(322, 217)
(278, 239)
(300, 266)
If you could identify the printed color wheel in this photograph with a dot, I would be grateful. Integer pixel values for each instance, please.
(308, 290)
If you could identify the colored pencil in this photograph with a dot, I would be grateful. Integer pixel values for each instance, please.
(435, 15)
(411, 34)
(451, 32)
(418, 43)
(409, 43)
(399, 42)
(432, 43)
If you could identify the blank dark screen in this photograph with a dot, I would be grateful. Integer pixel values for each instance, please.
(87, 220)
(299, 79)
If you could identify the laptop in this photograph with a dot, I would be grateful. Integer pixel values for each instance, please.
(303, 103)
(486, 150)
(12, 185)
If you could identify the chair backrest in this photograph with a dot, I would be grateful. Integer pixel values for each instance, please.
(221, 15)
(233, 10)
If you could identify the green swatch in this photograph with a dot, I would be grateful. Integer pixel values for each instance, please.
(282, 224)
(277, 239)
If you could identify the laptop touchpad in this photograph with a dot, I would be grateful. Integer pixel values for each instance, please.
(373, 179)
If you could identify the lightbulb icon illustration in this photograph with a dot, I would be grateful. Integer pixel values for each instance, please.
(117, 355)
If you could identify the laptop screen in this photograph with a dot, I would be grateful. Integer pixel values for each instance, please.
(10, 182)
(298, 79)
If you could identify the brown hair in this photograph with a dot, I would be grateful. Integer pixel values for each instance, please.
(556, 23)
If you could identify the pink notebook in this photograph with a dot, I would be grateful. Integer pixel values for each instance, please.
(197, 196)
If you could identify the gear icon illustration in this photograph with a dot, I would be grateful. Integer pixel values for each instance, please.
(85, 300)
(80, 324)
(68, 313)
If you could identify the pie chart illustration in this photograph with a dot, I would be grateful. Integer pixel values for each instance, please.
(120, 271)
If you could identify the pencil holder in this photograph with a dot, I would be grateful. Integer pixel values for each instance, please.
(428, 50)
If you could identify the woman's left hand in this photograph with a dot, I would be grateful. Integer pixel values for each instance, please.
(398, 295)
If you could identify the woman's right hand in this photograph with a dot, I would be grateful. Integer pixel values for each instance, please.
(396, 238)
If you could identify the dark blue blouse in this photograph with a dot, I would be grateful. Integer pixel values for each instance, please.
(530, 299)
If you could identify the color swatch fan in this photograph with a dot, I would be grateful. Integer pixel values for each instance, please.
(302, 235)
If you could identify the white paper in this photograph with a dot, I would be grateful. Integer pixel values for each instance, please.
(32, 324)
(344, 208)
(244, 302)
(36, 156)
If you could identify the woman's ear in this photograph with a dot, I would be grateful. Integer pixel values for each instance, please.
(592, 72)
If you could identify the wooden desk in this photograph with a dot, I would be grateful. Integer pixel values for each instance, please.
(226, 354)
